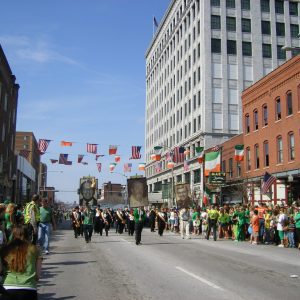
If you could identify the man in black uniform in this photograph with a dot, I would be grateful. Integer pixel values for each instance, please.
(152, 216)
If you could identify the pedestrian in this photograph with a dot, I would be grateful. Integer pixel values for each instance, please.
(88, 223)
(281, 223)
(161, 221)
(131, 224)
(213, 216)
(291, 232)
(10, 220)
(254, 228)
(152, 216)
(32, 218)
(121, 220)
(223, 223)
(185, 217)
(107, 219)
(139, 219)
(196, 225)
(46, 220)
(97, 220)
(75, 217)
(21, 265)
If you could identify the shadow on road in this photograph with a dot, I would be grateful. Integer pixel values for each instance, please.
(50, 296)
(69, 263)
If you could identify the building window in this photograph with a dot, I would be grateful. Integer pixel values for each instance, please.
(278, 109)
(281, 54)
(246, 25)
(247, 49)
(230, 24)
(215, 45)
(238, 169)
(266, 154)
(197, 176)
(279, 8)
(294, 30)
(291, 145)
(230, 168)
(245, 4)
(293, 8)
(248, 161)
(255, 119)
(215, 22)
(279, 150)
(215, 2)
(289, 104)
(256, 155)
(265, 5)
(280, 29)
(231, 47)
(247, 123)
(267, 50)
(265, 115)
(265, 27)
(230, 3)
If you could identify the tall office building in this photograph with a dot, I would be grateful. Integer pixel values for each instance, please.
(203, 55)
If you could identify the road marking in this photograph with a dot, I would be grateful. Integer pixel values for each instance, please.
(203, 280)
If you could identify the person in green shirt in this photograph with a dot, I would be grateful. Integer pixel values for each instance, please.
(21, 275)
(297, 225)
(44, 230)
(88, 223)
(241, 224)
(10, 220)
(213, 216)
(223, 223)
(139, 219)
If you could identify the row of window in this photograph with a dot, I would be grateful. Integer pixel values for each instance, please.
(278, 112)
(290, 142)
(246, 26)
(264, 5)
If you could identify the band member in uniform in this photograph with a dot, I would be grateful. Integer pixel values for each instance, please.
(81, 218)
(121, 220)
(97, 220)
(107, 219)
(161, 221)
(139, 219)
(152, 216)
(75, 217)
(131, 223)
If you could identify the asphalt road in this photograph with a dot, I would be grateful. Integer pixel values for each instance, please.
(166, 267)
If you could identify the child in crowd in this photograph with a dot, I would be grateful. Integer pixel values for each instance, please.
(196, 225)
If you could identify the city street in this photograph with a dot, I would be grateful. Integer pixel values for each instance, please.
(166, 267)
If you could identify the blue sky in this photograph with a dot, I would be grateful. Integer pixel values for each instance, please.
(81, 69)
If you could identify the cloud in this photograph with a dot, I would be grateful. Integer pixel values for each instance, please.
(38, 51)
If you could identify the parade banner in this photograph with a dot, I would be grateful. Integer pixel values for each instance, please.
(183, 195)
(137, 192)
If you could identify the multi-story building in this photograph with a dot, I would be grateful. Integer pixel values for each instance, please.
(8, 113)
(203, 55)
(271, 121)
(27, 141)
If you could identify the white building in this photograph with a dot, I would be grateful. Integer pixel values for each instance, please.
(203, 55)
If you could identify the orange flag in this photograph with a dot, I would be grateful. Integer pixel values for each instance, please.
(66, 144)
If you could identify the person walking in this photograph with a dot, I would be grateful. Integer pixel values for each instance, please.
(161, 221)
(152, 216)
(75, 217)
(44, 231)
(139, 219)
(32, 218)
(21, 265)
(185, 218)
(213, 216)
(131, 224)
(88, 224)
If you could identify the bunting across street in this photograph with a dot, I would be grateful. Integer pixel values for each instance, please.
(80, 158)
(112, 149)
(91, 148)
(66, 144)
(212, 162)
(200, 154)
(43, 145)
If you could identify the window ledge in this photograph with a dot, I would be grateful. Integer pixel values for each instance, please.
(291, 161)
(280, 164)
(289, 116)
(278, 121)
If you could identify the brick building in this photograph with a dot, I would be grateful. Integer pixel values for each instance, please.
(271, 126)
(8, 114)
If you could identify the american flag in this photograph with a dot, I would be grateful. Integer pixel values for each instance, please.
(178, 154)
(127, 167)
(158, 167)
(84, 163)
(54, 161)
(63, 159)
(24, 153)
(215, 148)
(169, 156)
(99, 166)
(80, 158)
(98, 155)
(267, 182)
(136, 152)
(91, 148)
(43, 145)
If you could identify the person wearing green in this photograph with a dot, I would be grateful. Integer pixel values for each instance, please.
(223, 223)
(46, 219)
(10, 220)
(241, 224)
(297, 225)
(213, 216)
(21, 266)
(139, 219)
(88, 223)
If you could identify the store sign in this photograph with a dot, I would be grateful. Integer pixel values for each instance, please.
(217, 178)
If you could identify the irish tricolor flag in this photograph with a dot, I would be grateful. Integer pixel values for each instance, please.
(239, 153)
(200, 154)
(206, 196)
(212, 162)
